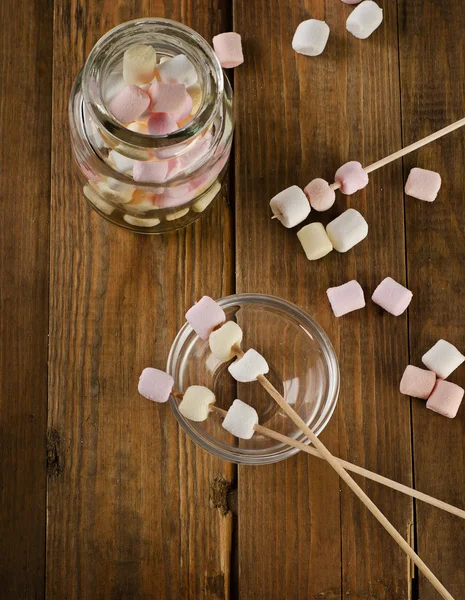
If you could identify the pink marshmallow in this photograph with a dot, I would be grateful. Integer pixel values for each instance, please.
(392, 296)
(352, 177)
(169, 98)
(418, 383)
(228, 49)
(446, 398)
(205, 316)
(423, 184)
(155, 385)
(150, 171)
(346, 298)
(129, 104)
(161, 123)
(320, 195)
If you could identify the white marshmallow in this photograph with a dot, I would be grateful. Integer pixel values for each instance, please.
(223, 339)
(315, 241)
(207, 199)
(178, 69)
(139, 222)
(347, 230)
(139, 63)
(122, 163)
(196, 402)
(249, 367)
(364, 19)
(92, 195)
(177, 215)
(290, 206)
(443, 358)
(310, 37)
(240, 420)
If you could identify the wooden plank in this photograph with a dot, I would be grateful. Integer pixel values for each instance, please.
(130, 514)
(432, 63)
(25, 114)
(300, 118)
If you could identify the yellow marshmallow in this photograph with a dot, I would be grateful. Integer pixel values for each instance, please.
(223, 339)
(196, 402)
(315, 241)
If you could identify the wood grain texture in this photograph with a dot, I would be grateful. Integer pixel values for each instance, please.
(308, 116)
(25, 70)
(130, 514)
(429, 34)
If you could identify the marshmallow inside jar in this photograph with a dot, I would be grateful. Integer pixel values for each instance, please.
(152, 113)
(213, 348)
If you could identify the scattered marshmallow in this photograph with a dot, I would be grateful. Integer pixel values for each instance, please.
(96, 200)
(161, 124)
(315, 241)
(228, 49)
(178, 69)
(154, 171)
(418, 383)
(290, 206)
(446, 398)
(139, 63)
(140, 222)
(347, 230)
(177, 215)
(443, 358)
(423, 184)
(223, 339)
(155, 385)
(205, 201)
(169, 98)
(346, 298)
(240, 420)
(364, 19)
(310, 37)
(320, 195)
(352, 177)
(249, 367)
(392, 296)
(205, 316)
(129, 104)
(196, 402)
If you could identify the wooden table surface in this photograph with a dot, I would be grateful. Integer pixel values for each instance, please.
(101, 494)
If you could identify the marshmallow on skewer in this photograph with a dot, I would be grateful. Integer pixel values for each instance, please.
(205, 316)
(228, 49)
(346, 298)
(310, 37)
(443, 358)
(352, 177)
(161, 124)
(392, 296)
(320, 195)
(418, 383)
(196, 402)
(364, 19)
(347, 230)
(446, 398)
(249, 367)
(290, 206)
(315, 241)
(423, 184)
(240, 420)
(223, 339)
(155, 385)
(139, 63)
(129, 104)
(178, 69)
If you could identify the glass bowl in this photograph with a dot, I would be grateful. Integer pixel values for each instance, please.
(303, 367)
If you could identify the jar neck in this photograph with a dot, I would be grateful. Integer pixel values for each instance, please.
(169, 38)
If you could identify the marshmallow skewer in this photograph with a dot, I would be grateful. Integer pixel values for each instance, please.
(404, 489)
(404, 151)
(344, 475)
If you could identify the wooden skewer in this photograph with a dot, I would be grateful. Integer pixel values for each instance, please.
(404, 489)
(344, 475)
(429, 138)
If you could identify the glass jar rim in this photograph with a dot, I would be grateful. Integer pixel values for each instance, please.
(98, 109)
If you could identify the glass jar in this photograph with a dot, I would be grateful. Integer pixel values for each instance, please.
(191, 159)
